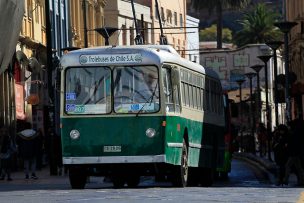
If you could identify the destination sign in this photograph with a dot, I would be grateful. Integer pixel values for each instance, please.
(110, 58)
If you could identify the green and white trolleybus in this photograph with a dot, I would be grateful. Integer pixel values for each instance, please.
(140, 110)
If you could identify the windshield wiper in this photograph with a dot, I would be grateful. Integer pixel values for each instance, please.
(150, 99)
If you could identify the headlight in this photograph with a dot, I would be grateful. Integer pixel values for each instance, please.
(74, 134)
(150, 132)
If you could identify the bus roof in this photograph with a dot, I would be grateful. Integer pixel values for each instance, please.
(151, 54)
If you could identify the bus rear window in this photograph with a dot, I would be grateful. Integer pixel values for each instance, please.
(88, 90)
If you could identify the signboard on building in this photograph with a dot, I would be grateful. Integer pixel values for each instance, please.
(19, 97)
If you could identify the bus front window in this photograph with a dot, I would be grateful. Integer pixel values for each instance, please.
(88, 90)
(136, 89)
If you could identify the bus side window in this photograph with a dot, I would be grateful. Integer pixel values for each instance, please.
(176, 89)
(167, 87)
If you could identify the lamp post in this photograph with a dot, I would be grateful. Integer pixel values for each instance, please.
(265, 59)
(257, 69)
(285, 27)
(250, 76)
(106, 33)
(240, 82)
(274, 45)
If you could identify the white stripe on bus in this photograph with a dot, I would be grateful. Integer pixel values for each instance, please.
(193, 145)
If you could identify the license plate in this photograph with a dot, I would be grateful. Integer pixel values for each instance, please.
(111, 148)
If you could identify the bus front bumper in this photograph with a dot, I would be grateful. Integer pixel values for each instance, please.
(114, 159)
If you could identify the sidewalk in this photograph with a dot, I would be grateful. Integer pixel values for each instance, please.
(266, 165)
(44, 181)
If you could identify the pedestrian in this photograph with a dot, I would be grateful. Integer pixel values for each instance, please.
(28, 150)
(279, 146)
(262, 138)
(39, 141)
(294, 151)
(7, 148)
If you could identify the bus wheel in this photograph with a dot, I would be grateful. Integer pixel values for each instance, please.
(207, 177)
(77, 178)
(133, 181)
(180, 178)
(118, 181)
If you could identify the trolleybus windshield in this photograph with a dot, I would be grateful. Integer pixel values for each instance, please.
(136, 89)
(88, 90)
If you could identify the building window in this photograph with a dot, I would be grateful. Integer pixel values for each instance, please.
(124, 35)
(30, 8)
(169, 16)
(181, 21)
(175, 18)
(162, 14)
(132, 35)
(155, 13)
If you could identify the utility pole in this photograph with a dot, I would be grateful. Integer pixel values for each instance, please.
(142, 29)
(138, 38)
(51, 110)
(163, 39)
(85, 29)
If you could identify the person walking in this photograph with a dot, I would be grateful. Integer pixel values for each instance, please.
(279, 146)
(6, 152)
(262, 138)
(28, 150)
(294, 151)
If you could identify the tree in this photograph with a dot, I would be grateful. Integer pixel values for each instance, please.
(258, 27)
(218, 6)
(209, 34)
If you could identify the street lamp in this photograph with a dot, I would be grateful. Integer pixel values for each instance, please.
(257, 69)
(106, 32)
(265, 59)
(250, 76)
(240, 82)
(274, 45)
(285, 27)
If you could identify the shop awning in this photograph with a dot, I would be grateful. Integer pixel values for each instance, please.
(11, 15)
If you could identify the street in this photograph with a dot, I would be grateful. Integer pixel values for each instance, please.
(246, 184)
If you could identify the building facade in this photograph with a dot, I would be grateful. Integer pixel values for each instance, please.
(192, 52)
(30, 71)
(295, 13)
(119, 14)
(84, 17)
(233, 64)
(173, 19)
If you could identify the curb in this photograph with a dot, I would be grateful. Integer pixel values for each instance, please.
(269, 168)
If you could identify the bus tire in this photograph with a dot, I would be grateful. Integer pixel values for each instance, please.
(180, 177)
(133, 181)
(77, 177)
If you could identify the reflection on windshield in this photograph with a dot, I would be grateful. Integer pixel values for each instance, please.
(88, 90)
(136, 88)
